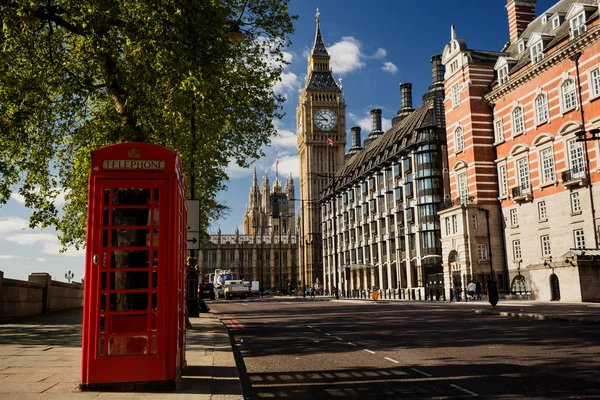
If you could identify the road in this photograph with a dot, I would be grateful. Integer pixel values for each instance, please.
(307, 349)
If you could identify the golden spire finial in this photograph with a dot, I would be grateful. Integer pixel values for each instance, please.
(318, 14)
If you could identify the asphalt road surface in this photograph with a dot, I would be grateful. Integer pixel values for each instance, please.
(289, 348)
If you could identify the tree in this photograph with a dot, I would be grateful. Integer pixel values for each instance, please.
(76, 76)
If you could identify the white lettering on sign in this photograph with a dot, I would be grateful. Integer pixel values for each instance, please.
(134, 164)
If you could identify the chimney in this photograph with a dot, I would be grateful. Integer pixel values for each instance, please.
(375, 122)
(437, 69)
(405, 96)
(356, 147)
(520, 14)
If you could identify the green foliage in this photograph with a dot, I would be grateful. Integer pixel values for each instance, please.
(76, 76)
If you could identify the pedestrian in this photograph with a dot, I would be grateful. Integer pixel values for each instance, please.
(478, 290)
(202, 305)
(290, 289)
(471, 287)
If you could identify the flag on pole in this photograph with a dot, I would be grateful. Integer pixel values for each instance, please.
(276, 158)
(329, 142)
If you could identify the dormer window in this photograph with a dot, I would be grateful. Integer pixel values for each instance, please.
(537, 51)
(577, 25)
(544, 19)
(454, 66)
(556, 22)
(521, 47)
(503, 75)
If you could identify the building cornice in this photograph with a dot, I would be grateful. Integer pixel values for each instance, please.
(574, 46)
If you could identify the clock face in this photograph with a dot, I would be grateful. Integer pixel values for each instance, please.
(325, 119)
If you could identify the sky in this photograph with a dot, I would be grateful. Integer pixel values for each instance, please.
(374, 46)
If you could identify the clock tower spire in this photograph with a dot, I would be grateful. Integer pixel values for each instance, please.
(320, 119)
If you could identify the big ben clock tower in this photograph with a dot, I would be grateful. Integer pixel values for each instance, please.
(321, 130)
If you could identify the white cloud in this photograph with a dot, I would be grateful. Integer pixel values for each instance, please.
(8, 257)
(285, 138)
(58, 201)
(346, 55)
(41, 259)
(288, 164)
(12, 224)
(380, 53)
(48, 243)
(389, 67)
(289, 83)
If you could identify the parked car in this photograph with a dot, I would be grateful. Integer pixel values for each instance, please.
(206, 290)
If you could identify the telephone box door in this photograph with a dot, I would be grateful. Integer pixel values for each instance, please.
(128, 318)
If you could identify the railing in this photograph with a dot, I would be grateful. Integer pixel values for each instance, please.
(522, 192)
(574, 176)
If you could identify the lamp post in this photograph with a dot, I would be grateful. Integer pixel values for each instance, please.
(492, 284)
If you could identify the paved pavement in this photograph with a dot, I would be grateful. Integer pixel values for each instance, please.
(40, 356)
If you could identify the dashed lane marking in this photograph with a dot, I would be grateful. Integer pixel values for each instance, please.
(465, 390)
(318, 330)
(310, 326)
(421, 372)
(392, 360)
(369, 351)
(352, 344)
(338, 338)
(328, 334)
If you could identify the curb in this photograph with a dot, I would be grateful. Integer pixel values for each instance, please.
(591, 321)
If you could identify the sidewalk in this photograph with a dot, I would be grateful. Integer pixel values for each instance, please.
(40, 358)
(587, 313)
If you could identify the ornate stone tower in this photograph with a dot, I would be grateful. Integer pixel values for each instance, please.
(320, 115)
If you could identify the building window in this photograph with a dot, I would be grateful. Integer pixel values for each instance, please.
(579, 239)
(459, 140)
(475, 222)
(517, 249)
(545, 242)
(541, 109)
(542, 211)
(514, 218)
(523, 174)
(547, 162)
(575, 203)
(456, 95)
(454, 224)
(463, 188)
(555, 22)
(537, 52)
(503, 181)
(576, 161)
(498, 131)
(595, 82)
(518, 121)
(521, 47)
(447, 226)
(578, 25)
(503, 74)
(454, 66)
(568, 94)
(482, 252)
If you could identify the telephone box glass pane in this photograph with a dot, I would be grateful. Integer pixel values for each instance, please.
(105, 219)
(101, 324)
(129, 258)
(129, 280)
(152, 344)
(156, 197)
(131, 197)
(104, 238)
(127, 345)
(106, 197)
(101, 346)
(154, 279)
(156, 216)
(103, 281)
(103, 302)
(154, 300)
(128, 301)
(130, 237)
(131, 217)
(154, 258)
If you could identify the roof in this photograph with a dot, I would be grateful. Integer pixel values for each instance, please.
(319, 48)
(554, 36)
(398, 139)
(321, 80)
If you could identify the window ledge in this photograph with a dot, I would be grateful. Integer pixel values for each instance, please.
(573, 214)
(540, 123)
(543, 220)
(514, 226)
(594, 97)
(550, 183)
(497, 143)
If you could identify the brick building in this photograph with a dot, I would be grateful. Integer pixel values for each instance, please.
(524, 184)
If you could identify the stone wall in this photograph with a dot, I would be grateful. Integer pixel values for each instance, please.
(38, 295)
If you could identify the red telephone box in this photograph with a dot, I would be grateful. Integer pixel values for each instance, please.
(134, 294)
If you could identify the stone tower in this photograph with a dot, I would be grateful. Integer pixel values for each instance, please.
(321, 129)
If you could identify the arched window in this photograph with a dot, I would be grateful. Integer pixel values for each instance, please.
(567, 90)
(518, 121)
(459, 140)
(541, 108)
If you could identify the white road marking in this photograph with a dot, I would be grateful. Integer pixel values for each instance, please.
(310, 326)
(352, 344)
(421, 372)
(369, 351)
(328, 334)
(244, 304)
(465, 390)
(318, 330)
(286, 302)
(339, 338)
(392, 360)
